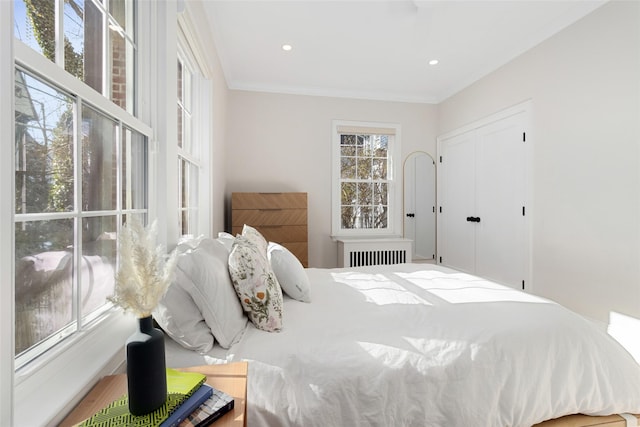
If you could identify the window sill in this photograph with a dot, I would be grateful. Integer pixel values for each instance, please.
(56, 384)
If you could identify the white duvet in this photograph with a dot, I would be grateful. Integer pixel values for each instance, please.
(421, 345)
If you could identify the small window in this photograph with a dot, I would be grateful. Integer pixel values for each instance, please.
(189, 163)
(364, 182)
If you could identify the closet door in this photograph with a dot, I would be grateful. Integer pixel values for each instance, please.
(500, 200)
(456, 245)
(482, 196)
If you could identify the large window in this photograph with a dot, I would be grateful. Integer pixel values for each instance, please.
(364, 184)
(80, 162)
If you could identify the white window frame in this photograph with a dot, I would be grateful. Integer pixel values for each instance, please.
(7, 186)
(394, 213)
(58, 379)
(190, 52)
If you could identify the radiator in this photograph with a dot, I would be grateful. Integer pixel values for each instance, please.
(361, 252)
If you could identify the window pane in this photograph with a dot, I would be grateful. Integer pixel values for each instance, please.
(364, 145)
(380, 217)
(348, 193)
(99, 161)
(134, 170)
(188, 197)
(187, 77)
(122, 12)
(180, 127)
(34, 24)
(365, 193)
(348, 168)
(348, 217)
(364, 217)
(364, 168)
(180, 82)
(83, 32)
(74, 34)
(380, 146)
(380, 193)
(379, 169)
(43, 279)
(187, 126)
(97, 268)
(122, 66)
(44, 128)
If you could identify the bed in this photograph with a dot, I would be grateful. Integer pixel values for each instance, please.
(400, 345)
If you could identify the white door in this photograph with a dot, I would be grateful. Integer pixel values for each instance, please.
(419, 205)
(500, 200)
(482, 193)
(456, 246)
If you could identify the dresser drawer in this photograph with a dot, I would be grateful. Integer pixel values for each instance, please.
(269, 217)
(269, 201)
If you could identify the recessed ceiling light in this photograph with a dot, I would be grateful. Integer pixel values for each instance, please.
(433, 62)
(287, 47)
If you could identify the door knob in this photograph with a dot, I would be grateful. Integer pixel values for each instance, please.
(473, 219)
(410, 215)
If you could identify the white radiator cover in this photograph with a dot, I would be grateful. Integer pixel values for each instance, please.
(362, 252)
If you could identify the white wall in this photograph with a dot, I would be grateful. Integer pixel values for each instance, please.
(281, 142)
(585, 87)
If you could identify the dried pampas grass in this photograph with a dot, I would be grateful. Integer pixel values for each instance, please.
(143, 275)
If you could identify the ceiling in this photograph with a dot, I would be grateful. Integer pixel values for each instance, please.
(378, 49)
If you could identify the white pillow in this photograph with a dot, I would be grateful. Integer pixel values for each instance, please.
(202, 304)
(178, 315)
(256, 285)
(289, 272)
(211, 289)
(256, 238)
(226, 239)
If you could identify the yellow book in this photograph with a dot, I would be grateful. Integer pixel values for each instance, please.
(180, 385)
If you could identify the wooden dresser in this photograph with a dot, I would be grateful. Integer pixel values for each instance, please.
(280, 217)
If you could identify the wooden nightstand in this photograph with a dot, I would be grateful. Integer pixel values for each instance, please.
(230, 378)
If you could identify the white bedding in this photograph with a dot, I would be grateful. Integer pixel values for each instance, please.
(421, 345)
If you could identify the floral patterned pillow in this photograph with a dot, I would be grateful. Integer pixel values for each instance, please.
(256, 238)
(256, 285)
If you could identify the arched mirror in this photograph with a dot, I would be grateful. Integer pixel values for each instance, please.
(420, 204)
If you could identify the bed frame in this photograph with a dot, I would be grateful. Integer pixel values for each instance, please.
(587, 421)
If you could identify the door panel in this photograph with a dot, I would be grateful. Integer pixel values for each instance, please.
(483, 175)
(457, 195)
(500, 178)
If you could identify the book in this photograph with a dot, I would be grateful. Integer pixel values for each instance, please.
(188, 406)
(216, 406)
(180, 386)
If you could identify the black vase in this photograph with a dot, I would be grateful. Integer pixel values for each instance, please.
(146, 368)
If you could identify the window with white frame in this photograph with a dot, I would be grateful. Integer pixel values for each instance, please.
(365, 185)
(192, 125)
(188, 148)
(81, 162)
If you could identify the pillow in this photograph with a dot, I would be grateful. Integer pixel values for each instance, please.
(256, 285)
(178, 315)
(201, 304)
(226, 239)
(289, 272)
(256, 238)
(188, 242)
(211, 289)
